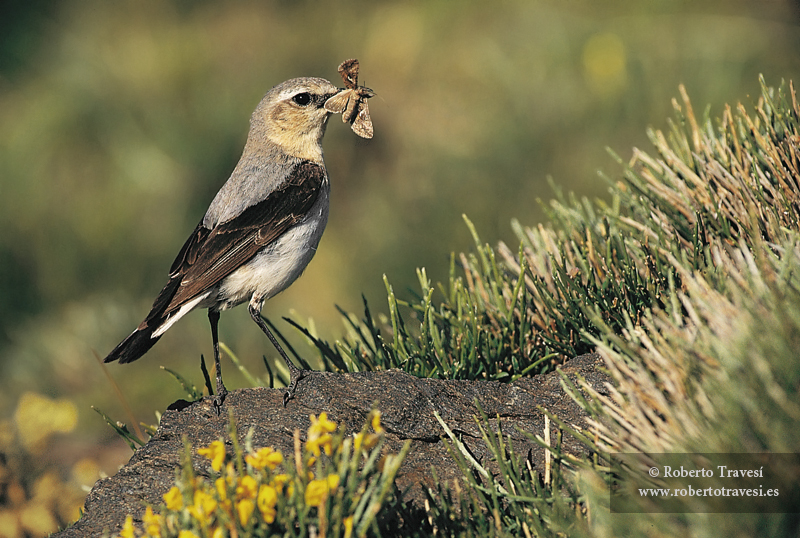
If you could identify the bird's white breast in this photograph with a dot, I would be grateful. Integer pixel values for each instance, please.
(279, 264)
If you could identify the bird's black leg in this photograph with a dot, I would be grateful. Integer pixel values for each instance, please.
(213, 317)
(295, 373)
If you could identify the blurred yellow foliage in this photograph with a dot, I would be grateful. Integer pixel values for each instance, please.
(85, 472)
(52, 503)
(38, 417)
(34, 499)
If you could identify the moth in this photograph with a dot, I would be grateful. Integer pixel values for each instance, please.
(351, 102)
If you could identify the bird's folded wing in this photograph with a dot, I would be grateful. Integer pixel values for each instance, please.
(208, 256)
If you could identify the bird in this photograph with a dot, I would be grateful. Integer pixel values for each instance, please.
(261, 229)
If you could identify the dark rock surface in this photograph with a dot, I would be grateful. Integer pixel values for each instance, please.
(406, 402)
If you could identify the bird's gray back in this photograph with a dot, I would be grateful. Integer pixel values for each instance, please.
(253, 179)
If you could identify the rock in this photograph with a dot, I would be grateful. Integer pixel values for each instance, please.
(406, 403)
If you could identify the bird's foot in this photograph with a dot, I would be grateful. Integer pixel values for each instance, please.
(296, 374)
(219, 397)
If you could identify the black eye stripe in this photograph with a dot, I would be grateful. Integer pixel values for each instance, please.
(302, 99)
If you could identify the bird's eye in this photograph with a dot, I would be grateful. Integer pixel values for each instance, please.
(302, 99)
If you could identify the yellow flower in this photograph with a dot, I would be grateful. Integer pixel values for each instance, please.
(187, 534)
(367, 441)
(174, 499)
(333, 481)
(376, 421)
(221, 485)
(325, 441)
(319, 434)
(203, 507)
(218, 533)
(247, 488)
(230, 473)
(321, 425)
(152, 523)
(127, 529)
(216, 453)
(265, 457)
(222, 488)
(348, 526)
(317, 490)
(279, 480)
(245, 509)
(267, 499)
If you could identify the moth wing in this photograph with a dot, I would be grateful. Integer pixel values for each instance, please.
(348, 69)
(362, 125)
(338, 103)
(350, 111)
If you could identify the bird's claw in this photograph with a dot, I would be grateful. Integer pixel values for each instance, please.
(296, 375)
(219, 399)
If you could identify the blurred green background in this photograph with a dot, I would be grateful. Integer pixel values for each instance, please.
(120, 120)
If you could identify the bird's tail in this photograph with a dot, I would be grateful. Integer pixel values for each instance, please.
(134, 346)
(143, 338)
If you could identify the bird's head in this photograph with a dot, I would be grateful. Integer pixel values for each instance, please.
(292, 116)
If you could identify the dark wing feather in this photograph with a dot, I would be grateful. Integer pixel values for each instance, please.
(204, 262)
(189, 249)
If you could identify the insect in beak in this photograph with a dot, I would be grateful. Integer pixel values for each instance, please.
(351, 102)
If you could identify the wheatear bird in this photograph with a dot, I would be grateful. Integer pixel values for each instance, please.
(261, 229)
